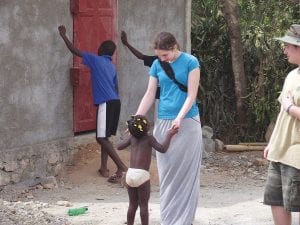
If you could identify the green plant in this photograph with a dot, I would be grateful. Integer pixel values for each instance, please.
(265, 65)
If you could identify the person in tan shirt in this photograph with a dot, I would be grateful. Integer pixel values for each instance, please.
(282, 191)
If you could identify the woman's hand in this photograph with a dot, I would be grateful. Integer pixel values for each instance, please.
(176, 123)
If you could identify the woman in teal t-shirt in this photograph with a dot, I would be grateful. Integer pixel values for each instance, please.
(179, 168)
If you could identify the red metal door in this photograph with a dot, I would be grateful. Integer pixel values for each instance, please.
(94, 21)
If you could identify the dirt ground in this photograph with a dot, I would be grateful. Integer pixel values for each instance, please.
(231, 191)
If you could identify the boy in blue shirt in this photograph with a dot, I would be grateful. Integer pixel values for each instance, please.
(105, 97)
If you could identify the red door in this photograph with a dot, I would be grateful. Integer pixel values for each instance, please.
(94, 21)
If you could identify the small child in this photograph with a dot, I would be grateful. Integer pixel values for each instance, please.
(137, 176)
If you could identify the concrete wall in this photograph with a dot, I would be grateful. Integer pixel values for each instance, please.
(35, 92)
(142, 20)
(36, 116)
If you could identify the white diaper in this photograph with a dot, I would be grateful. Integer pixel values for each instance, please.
(136, 177)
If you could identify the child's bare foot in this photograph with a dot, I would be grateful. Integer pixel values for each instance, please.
(104, 173)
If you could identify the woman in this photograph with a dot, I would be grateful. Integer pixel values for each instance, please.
(179, 168)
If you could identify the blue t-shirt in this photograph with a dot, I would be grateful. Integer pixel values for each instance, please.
(103, 76)
(171, 97)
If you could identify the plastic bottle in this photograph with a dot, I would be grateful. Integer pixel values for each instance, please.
(77, 211)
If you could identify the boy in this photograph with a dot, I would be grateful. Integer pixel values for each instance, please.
(106, 98)
(138, 177)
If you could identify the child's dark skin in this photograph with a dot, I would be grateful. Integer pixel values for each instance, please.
(141, 149)
(141, 152)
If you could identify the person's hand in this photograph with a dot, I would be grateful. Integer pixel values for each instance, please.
(124, 37)
(176, 123)
(172, 131)
(266, 151)
(62, 30)
(287, 101)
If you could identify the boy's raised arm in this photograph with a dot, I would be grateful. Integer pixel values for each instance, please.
(62, 32)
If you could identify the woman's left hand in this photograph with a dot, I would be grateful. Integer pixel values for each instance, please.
(287, 100)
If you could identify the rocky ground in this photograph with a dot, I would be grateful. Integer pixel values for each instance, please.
(231, 193)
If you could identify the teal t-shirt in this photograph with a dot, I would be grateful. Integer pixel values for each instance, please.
(171, 97)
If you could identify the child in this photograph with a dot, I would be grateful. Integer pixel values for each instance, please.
(106, 98)
(138, 177)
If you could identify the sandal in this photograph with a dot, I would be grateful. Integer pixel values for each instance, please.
(115, 178)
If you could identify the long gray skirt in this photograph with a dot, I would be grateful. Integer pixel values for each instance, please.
(179, 171)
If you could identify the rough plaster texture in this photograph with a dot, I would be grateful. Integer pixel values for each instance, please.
(142, 20)
(36, 136)
(35, 92)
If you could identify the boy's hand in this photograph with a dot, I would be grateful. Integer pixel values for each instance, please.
(62, 30)
(124, 37)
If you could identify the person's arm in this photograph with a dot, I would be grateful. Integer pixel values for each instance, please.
(294, 111)
(123, 144)
(116, 84)
(290, 107)
(165, 145)
(148, 98)
(62, 32)
(134, 51)
(193, 84)
(266, 151)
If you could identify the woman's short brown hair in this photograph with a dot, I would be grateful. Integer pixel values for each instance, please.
(165, 41)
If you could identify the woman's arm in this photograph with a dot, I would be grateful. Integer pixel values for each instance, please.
(193, 84)
(148, 98)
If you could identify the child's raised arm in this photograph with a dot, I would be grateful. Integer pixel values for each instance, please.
(165, 145)
(124, 143)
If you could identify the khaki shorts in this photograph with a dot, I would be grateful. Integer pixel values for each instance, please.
(283, 187)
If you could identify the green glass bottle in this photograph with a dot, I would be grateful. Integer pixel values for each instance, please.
(77, 211)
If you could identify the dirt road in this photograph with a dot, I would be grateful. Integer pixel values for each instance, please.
(231, 191)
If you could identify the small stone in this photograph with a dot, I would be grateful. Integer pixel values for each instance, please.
(63, 203)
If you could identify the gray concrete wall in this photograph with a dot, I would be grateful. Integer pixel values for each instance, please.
(35, 92)
(36, 116)
(142, 20)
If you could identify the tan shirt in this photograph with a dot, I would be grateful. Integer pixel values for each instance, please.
(284, 145)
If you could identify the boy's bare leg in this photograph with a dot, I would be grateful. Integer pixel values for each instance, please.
(133, 204)
(103, 167)
(144, 195)
(106, 146)
(281, 216)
